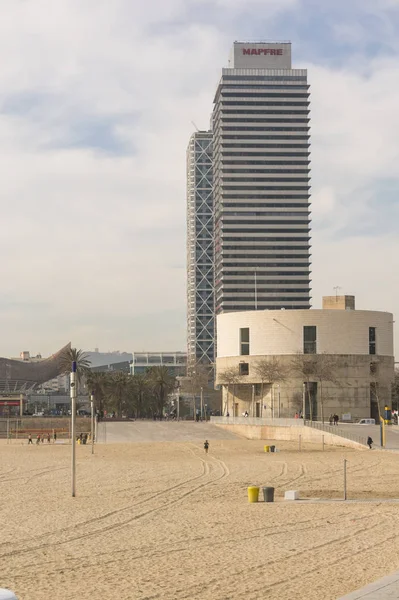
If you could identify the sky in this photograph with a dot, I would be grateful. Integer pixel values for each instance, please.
(97, 104)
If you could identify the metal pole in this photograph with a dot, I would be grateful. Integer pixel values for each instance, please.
(300, 441)
(8, 430)
(253, 401)
(303, 402)
(279, 404)
(178, 406)
(92, 422)
(322, 442)
(202, 402)
(21, 405)
(345, 461)
(73, 426)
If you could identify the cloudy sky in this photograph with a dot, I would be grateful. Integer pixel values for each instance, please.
(96, 103)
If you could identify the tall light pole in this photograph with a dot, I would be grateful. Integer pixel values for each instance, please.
(92, 422)
(73, 426)
(202, 401)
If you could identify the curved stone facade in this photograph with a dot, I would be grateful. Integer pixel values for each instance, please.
(281, 331)
(357, 346)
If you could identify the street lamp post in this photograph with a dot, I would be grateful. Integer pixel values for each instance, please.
(92, 422)
(73, 426)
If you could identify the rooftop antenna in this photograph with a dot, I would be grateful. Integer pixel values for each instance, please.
(336, 288)
(192, 122)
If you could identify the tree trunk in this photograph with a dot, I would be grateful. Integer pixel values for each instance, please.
(261, 394)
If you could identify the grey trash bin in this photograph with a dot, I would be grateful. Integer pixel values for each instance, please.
(268, 494)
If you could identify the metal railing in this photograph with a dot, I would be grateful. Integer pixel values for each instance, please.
(257, 421)
(335, 430)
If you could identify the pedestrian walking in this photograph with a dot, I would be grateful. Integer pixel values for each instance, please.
(206, 446)
(369, 442)
(331, 419)
(336, 419)
(48, 438)
(55, 436)
(38, 439)
(30, 439)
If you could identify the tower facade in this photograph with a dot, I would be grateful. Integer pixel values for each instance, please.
(261, 178)
(200, 261)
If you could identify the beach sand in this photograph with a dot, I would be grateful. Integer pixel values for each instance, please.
(164, 520)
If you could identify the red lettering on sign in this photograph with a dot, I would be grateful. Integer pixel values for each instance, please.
(264, 51)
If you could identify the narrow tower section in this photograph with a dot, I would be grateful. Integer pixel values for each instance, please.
(261, 181)
(200, 261)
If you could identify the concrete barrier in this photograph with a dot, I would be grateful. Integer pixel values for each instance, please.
(289, 434)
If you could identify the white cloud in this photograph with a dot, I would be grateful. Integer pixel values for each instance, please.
(95, 241)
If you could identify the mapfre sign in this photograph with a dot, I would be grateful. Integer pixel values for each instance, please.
(263, 51)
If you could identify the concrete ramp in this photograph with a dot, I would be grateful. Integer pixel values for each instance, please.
(112, 432)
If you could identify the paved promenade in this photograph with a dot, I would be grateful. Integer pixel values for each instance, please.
(113, 432)
(386, 588)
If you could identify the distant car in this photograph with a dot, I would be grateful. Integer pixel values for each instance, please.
(366, 422)
(38, 414)
(83, 413)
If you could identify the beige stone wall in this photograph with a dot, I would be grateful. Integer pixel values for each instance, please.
(350, 393)
(278, 332)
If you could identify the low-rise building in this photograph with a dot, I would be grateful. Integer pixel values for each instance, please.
(277, 363)
(176, 362)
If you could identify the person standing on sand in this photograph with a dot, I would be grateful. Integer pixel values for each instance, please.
(369, 442)
(206, 446)
(30, 439)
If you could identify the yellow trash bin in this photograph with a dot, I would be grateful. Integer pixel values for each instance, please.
(253, 494)
(266, 448)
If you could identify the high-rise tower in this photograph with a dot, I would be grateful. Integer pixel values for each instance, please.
(200, 272)
(261, 181)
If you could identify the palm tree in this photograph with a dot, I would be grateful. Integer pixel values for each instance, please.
(97, 383)
(118, 389)
(162, 383)
(139, 387)
(70, 355)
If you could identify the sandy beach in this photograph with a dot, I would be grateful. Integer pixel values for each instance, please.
(156, 520)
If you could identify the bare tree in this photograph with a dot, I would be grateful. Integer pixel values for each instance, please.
(319, 367)
(198, 379)
(229, 377)
(271, 370)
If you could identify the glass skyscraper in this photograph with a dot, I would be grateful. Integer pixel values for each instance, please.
(261, 181)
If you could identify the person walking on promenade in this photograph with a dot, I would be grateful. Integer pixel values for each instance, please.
(30, 439)
(369, 442)
(331, 419)
(336, 419)
(38, 439)
(55, 436)
(48, 438)
(206, 446)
